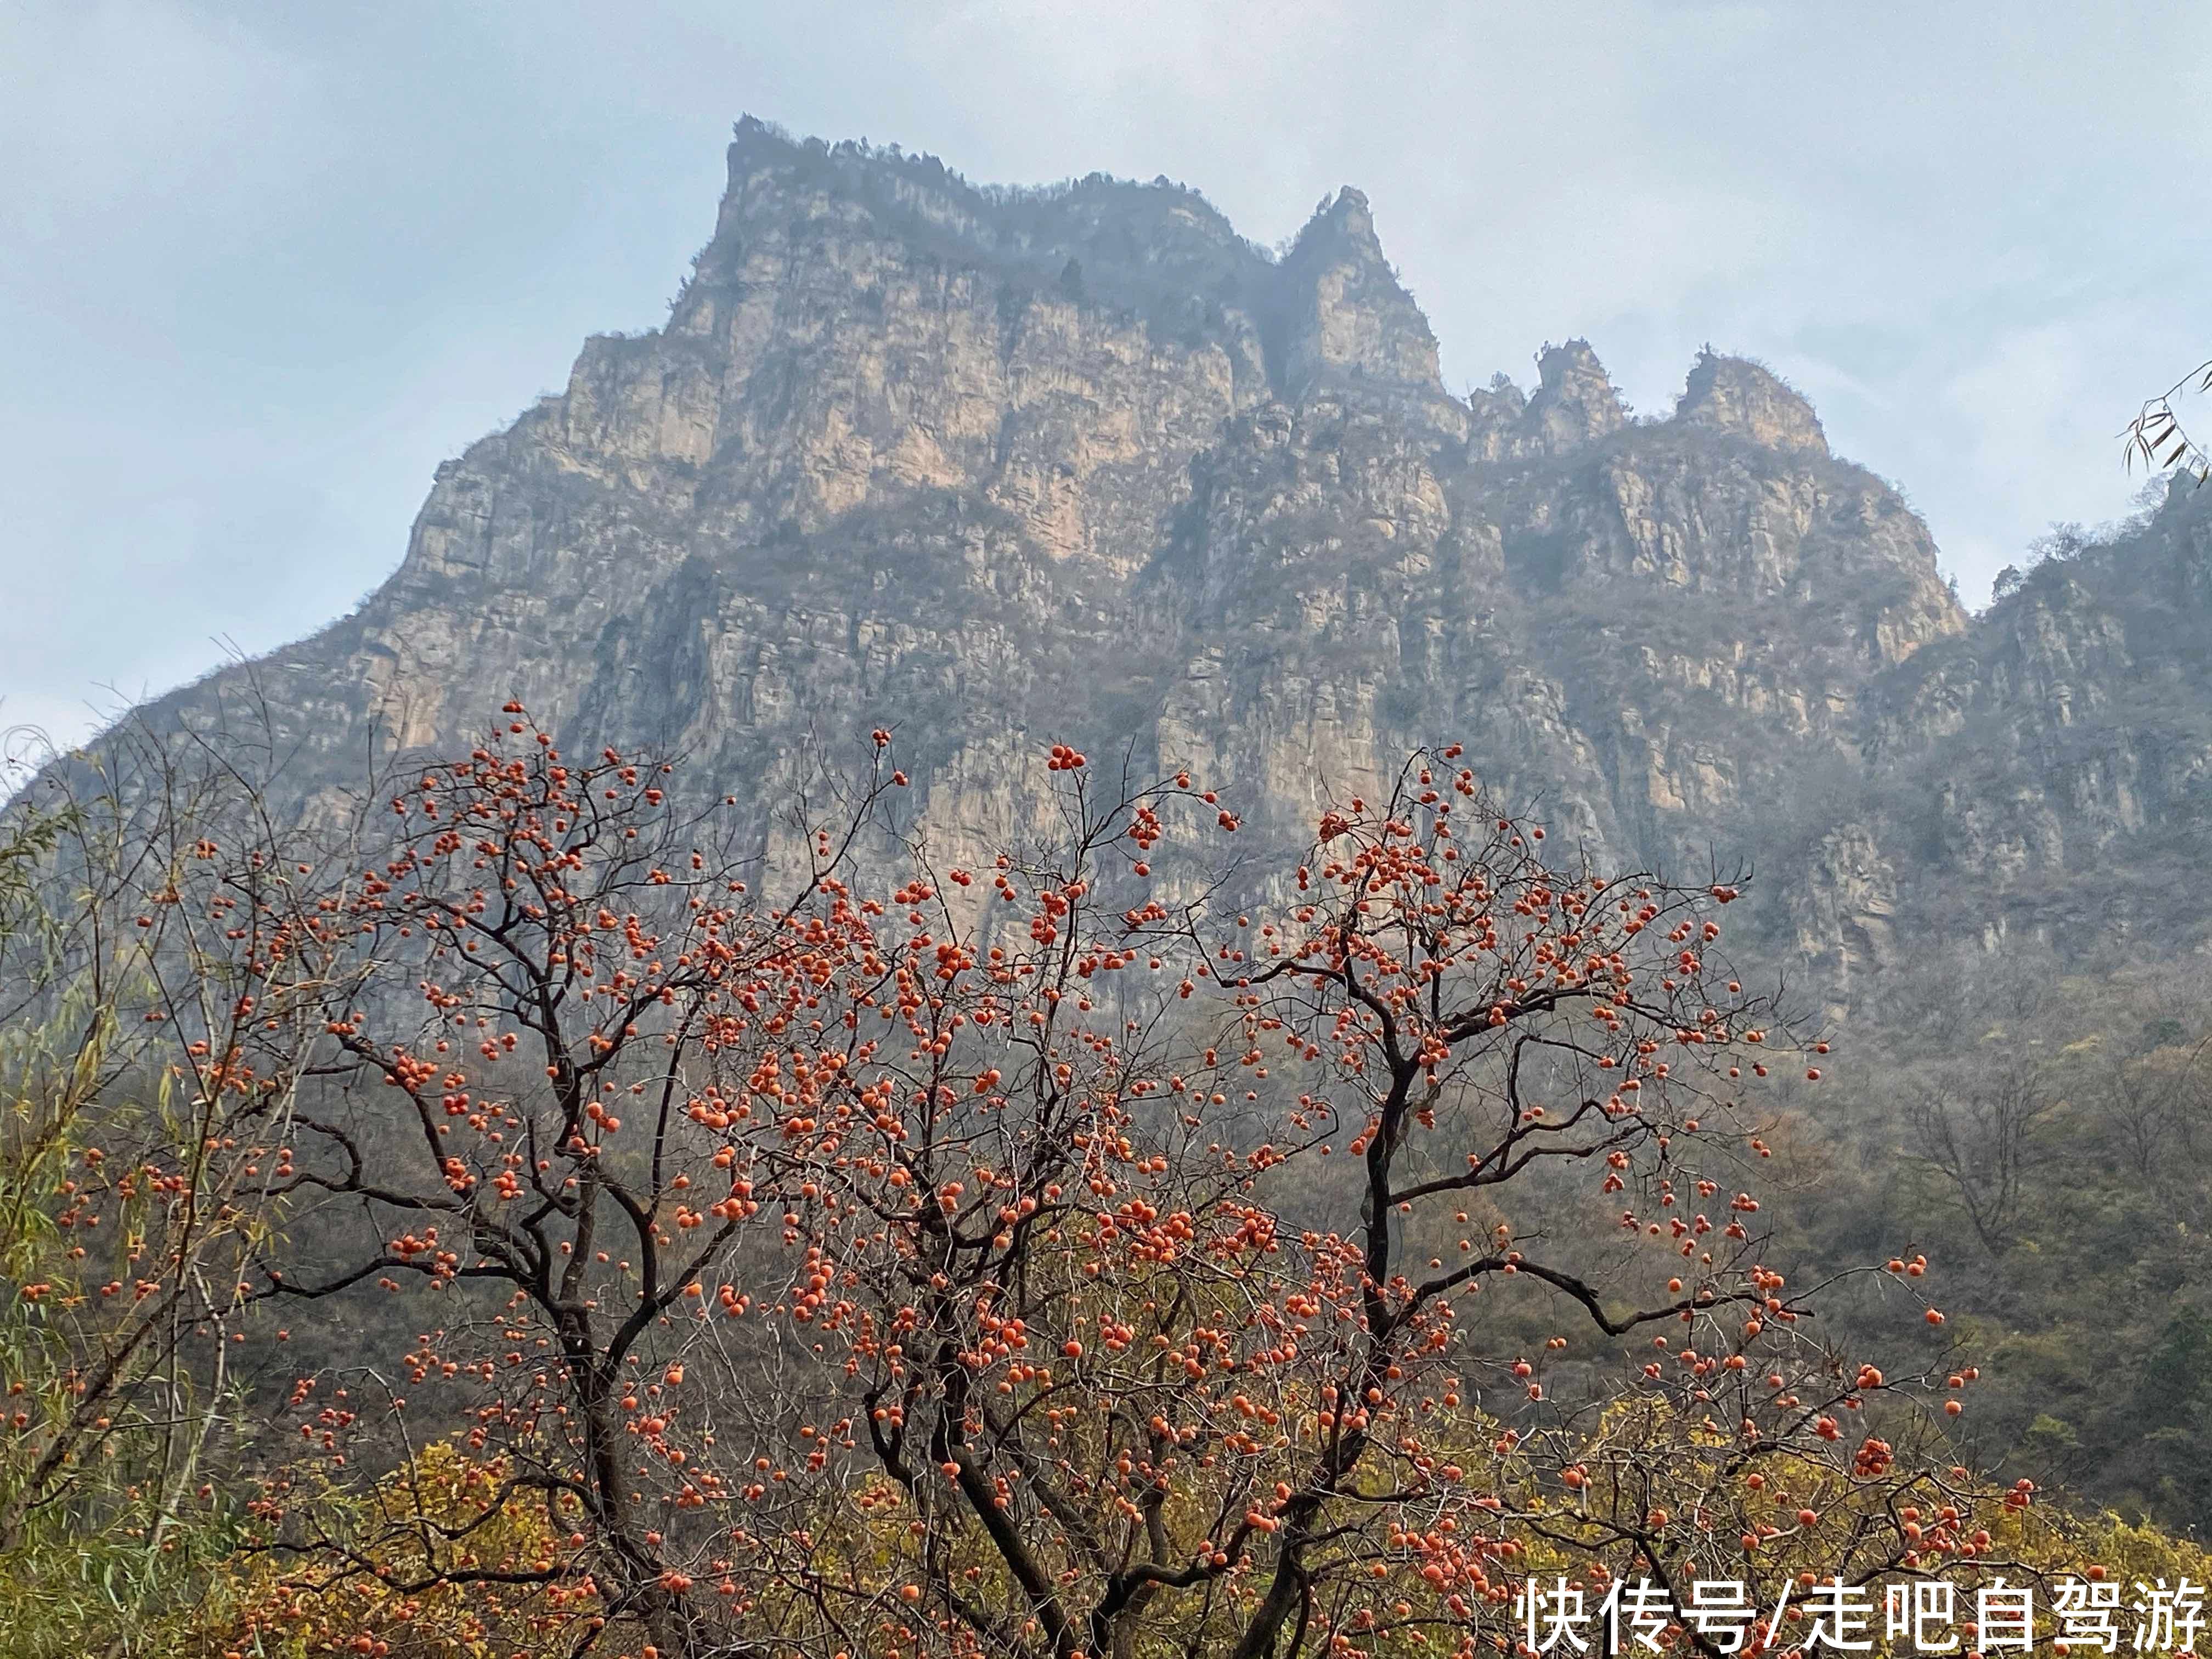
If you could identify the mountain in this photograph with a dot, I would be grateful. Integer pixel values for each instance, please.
(1006, 467)
(1003, 468)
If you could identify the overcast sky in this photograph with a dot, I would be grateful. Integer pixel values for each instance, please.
(262, 267)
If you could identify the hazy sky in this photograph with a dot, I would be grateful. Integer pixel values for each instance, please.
(262, 267)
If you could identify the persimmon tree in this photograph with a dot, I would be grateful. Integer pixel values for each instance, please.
(1120, 1249)
(1122, 1400)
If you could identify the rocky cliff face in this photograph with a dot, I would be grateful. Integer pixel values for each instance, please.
(1003, 468)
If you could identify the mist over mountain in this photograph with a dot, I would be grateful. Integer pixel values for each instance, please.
(1001, 467)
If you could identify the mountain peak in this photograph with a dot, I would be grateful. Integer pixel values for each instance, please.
(1345, 315)
(1346, 215)
(1736, 395)
(1159, 239)
(1575, 400)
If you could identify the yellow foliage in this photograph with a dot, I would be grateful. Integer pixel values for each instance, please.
(447, 1558)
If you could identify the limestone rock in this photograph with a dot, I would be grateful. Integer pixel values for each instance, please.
(1575, 401)
(1003, 468)
(1734, 395)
